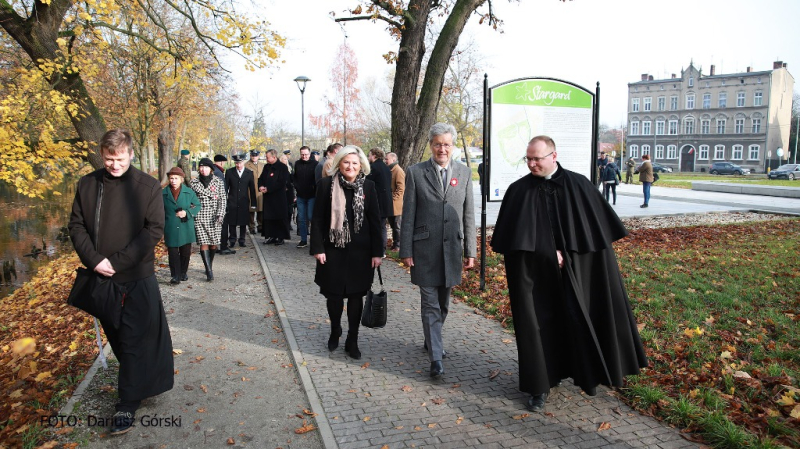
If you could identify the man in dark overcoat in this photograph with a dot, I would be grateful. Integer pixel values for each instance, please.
(272, 184)
(382, 177)
(185, 165)
(241, 188)
(256, 166)
(438, 233)
(571, 313)
(117, 219)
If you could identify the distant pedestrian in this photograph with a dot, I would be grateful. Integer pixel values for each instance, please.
(272, 185)
(380, 174)
(327, 166)
(346, 241)
(631, 164)
(306, 190)
(645, 172)
(210, 189)
(185, 165)
(181, 206)
(602, 160)
(610, 177)
(398, 190)
(241, 199)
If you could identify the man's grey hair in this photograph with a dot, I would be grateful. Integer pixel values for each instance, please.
(442, 128)
(273, 152)
(391, 156)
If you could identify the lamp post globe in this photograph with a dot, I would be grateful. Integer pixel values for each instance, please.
(301, 84)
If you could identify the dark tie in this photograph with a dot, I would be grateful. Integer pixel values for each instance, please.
(444, 180)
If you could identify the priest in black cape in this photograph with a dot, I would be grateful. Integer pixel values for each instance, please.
(571, 312)
(272, 184)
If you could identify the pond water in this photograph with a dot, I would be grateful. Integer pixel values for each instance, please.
(32, 231)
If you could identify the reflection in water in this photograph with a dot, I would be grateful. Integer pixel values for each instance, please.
(31, 232)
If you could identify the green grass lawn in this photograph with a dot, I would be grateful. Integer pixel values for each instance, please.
(718, 309)
(684, 180)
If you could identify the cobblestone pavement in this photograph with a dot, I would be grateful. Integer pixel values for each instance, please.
(387, 399)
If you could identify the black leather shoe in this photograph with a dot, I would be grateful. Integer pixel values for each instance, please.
(437, 369)
(174, 281)
(278, 242)
(536, 402)
(226, 252)
(351, 348)
(121, 423)
(184, 277)
(269, 241)
(241, 243)
(591, 391)
(333, 340)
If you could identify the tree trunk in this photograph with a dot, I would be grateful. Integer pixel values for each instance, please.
(37, 36)
(166, 143)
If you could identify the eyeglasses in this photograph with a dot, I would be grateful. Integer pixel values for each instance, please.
(446, 146)
(538, 159)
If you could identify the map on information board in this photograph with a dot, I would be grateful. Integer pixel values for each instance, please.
(523, 109)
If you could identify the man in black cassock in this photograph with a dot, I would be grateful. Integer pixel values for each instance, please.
(272, 184)
(241, 187)
(117, 219)
(571, 312)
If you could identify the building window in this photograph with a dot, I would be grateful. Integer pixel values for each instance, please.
(705, 126)
(659, 151)
(688, 126)
(660, 127)
(737, 152)
(673, 103)
(673, 127)
(662, 102)
(723, 99)
(634, 150)
(703, 153)
(691, 81)
(646, 128)
(647, 103)
(720, 126)
(635, 107)
(758, 98)
(706, 101)
(756, 125)
(752, 154)
(634, 128)
(689, 101)
(719, 152)
(672, 152)
(740, 99)
(645, 149)
(738, 126)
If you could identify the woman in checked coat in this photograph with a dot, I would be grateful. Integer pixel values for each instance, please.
(208, 223)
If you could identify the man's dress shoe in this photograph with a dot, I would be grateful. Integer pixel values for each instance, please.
(437, 369)
(536, 402)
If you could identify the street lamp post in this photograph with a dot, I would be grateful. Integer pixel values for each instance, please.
(303, 80)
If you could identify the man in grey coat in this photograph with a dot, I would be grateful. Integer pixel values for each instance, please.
(438, 233)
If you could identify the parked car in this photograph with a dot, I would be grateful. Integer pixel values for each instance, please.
(727, 168)
(658, 168)
(785, 171)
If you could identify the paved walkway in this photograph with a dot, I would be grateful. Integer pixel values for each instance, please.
(387, 397)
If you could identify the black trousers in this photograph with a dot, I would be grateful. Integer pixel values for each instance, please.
(394, 223)
(355, 305)
(223, 241)
(179, 259)
(232, 233)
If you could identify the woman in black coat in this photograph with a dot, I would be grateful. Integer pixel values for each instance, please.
(272, 183)
(346, 241)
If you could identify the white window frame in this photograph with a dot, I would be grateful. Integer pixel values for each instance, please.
(689, 101)
(738, 126)
(634, 128)
(753, 152)
(648, 102)
(688, 125)
(705, 126)
(660, 127)
(646, 127)
(756, 125)
(645, 149)
(722, 102)
(634, 150)
(673, 128)
(721, 124)
(662, 102)
(672, 152)
(737, 152)
(758, 98)
(719, 152)
(702, 152)
(635, 105)
(706, 101)
(740, 99)
(691, 81)
(673, 103)
(659, 151)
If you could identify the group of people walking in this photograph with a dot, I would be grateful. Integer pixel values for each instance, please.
(570, 309)
(609, 175)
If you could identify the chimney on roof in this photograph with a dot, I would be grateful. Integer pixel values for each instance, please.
(644, 77)
(749, 69)
(777, 64)
(674, 76)
(650, 78)
(712, 70)
(784, 65)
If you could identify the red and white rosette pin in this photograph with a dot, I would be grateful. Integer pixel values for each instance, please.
(453, 182)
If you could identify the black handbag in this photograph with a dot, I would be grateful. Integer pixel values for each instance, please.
(96, 294)
(374, 313)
